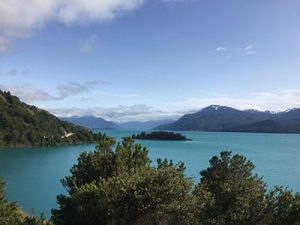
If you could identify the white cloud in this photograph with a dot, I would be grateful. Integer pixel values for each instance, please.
(74, 88)
(120, 113)
(172, 1)
(273, 101)
(5, 45)
(221, 49)
(87, 45)
(27, 92)
(19, 18)
(14, 72)
(248, 50)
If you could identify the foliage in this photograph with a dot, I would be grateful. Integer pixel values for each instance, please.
(229, 194)
(122, 188)
(286, 208)
(25, 125)
(160, 135)
(233, 195)
(118, 186)
(10, 214)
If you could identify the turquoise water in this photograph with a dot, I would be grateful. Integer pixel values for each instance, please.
(33, 175)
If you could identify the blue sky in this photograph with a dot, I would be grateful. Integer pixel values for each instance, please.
(150, 59)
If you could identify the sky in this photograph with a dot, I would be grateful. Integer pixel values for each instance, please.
(150, 59)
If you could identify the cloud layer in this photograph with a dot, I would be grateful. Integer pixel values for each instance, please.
(74, 88)
(120, 113)
(20, 18)
(29, 93)
(273, 101)
(247, 50)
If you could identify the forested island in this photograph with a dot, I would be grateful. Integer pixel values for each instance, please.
(161, 135)
(26, 125)
(116, 184)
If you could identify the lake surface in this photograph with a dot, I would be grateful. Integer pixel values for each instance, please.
(33, 175)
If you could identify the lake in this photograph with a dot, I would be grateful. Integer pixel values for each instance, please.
(33, 175)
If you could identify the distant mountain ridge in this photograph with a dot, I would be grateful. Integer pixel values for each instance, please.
(223, 118)
(146, 125)
(91, 122)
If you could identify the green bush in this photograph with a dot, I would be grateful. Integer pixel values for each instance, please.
(121, 187)
(117, 185)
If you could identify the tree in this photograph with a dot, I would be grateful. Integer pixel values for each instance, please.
(286, 208)
(11, 214)
(22, 124)
(120, 187)
(229, 193)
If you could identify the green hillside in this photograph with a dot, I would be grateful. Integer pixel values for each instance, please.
(26, 125)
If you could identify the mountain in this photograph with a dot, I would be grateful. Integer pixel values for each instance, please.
(270, 126)
(26, 125)
(291, 114)
(97, 122)
(223, 118)
(147, 125)
(91, 122)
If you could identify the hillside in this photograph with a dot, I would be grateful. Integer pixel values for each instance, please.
(25, 125)
(91, 122)
(222, 118)
(270, 126)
